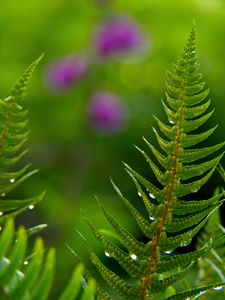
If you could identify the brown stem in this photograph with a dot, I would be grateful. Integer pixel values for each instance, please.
(153, 259)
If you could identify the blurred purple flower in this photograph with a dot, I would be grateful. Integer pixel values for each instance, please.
(119, 35)
(62, 74)
(106, 113)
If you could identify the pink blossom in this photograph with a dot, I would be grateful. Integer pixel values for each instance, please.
(118, 36)
(106, 113)
(64, 73)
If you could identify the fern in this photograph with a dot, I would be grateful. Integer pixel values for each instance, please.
(153, 268)
(181, 169)
(212, 266)
(23, 275)
(30, 276)
(13, 135)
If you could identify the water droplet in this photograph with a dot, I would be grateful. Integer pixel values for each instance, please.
(25, 262)
(133, 256)
(217, 288)
(152, 218)
(0, 228)
(31, 206)
(1, 213)
(168, 252)
(151, 195)
(12, 180)
(139, 194)
(171, 121)
(107, 254)
(3, 195)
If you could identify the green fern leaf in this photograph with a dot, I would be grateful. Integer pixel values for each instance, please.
(23, 275)
(173, 221)
(197, 291)
(13, 135)
(30, 276)
(18, 90)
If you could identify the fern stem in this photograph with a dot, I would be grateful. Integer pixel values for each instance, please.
(153, 259)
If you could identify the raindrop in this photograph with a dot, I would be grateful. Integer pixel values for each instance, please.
(25, 262)
(12, 180)
(3, 195)
(151, 195)
(171, 121)
(152, 218)
(107, 254)
(133, 256)
(139, 194)
(168, 252)
(1, 213)
(217, 288)
(31, 206)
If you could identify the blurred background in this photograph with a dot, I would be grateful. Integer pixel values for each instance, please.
(93, 96)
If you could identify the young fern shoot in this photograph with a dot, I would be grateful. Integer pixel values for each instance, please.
(181, 169)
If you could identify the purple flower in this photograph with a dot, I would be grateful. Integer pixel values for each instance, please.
(106, 113)
(62, 74)
(118, 36)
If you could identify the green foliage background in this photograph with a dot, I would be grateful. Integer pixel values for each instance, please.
(75, 162)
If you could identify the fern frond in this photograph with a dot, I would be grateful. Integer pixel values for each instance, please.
(13, 136)
(180, 171)
(24, 275)
(18, 91)
(30, 276)
(211, 267)
(18, 275)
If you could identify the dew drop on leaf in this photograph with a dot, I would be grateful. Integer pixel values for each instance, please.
(139, 194)
(133, 256)
(171, 121)
(152, 218)
(12, 180)
(168, 252)
(217, 288)
(31, 206)
(151, 195)
(1, 213)
(25, 262)
(107, 254)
